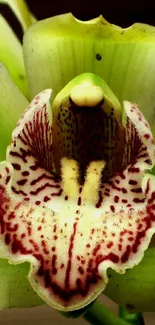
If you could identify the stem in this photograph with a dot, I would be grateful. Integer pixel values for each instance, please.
(97, 314)
(131, 318)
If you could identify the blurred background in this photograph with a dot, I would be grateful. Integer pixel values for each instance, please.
(119, 12)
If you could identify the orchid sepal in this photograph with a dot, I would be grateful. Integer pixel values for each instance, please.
(12, 104)
(11, 56)
(15, 290)
(11, 53)
(22, 12)
(122, 57)
(134, 290)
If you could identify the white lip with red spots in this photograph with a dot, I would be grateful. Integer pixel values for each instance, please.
(71, 241)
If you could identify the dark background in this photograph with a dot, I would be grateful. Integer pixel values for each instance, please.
(119, 12)
(123, 13)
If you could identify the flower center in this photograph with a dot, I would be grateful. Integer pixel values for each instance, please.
(87, 130)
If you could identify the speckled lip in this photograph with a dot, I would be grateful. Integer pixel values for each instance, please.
(71, 241)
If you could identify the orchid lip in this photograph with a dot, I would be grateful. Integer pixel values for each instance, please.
(68, 231)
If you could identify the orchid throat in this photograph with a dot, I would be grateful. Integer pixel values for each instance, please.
(88, 136)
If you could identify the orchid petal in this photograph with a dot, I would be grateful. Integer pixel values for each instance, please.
(134, 289)
(12, 105)
(31, 153)
(11, 56)
(15, 290)
(20, 9)
(70, 241)
(64, 47)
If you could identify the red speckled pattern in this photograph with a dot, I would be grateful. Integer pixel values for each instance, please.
(71, 243)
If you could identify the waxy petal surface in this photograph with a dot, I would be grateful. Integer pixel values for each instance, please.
(70, 243)
(20, 9)
(11, 56)
(123, 57)
(12, 105)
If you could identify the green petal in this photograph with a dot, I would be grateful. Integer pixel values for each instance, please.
(59, 48)
(20, 9)
(15, 290)
(11, 56)
(134, 289)
(12, 104)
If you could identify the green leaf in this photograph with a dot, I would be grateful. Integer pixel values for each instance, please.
(12, 105)
(135, 290)
(58, 49)
(21, 10)
(15, 290)
(11, 56)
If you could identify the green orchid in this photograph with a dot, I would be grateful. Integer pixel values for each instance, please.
(10, 48)
(76, 198)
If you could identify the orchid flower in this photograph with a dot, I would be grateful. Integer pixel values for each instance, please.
(76, 200)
